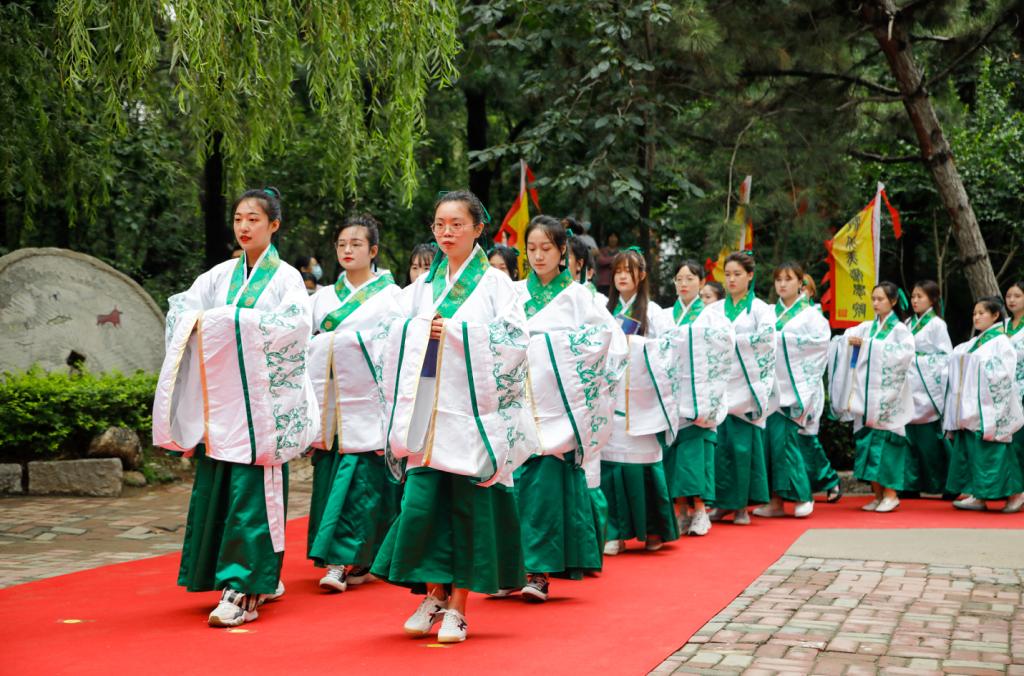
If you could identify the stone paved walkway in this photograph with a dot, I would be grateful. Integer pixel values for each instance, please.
(841, 616)
(42, 537)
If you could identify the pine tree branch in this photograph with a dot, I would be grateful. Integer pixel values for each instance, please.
(926, 85)
(882, 159)
(817, 75)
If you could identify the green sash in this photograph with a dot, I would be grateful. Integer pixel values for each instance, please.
(1012, 330)
(918, 323)
(463, 287)
(541, 294)
(261, 275)
(732, 310)
(350, 302)
(691, 314)
(882, 332)
(783, 315)
(622, 307)
(994, 331)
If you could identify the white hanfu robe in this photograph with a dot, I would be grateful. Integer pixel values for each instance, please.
(752, 376)
(802, 344)
(982, 395)
(931, 366)
(707, 346)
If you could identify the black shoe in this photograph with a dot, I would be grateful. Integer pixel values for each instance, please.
(536, 588)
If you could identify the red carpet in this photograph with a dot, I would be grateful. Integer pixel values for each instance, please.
(641, 609)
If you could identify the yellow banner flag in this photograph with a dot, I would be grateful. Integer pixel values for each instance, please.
(744, 235)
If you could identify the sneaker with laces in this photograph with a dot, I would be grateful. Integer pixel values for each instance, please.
(871, 506)
(887, 505)
(1014, 503)
(700, 524)
(536, 588)
(453, 627)
(803, 509)
(336, 579)
(971, 504)
(426, 616)
(358, 576)
(742, 518)
(233, 610)
(614, 547)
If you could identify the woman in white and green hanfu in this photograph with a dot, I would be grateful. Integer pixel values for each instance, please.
(870, 375)
(575, 352)
(234, 394)
(801, 354)
(1015, 332)
(983, 412)
(632, 473)
(454, 380)
(355, 498)
(741, 475)
(707, 345)
(928, 387)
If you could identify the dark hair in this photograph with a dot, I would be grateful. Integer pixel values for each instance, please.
(930, 289)
(892, 292)
(472, 202)
(717, 288)
(745, 260)
(635, 264)
(303, 261)
(367, 221)
(550, 226)
(571, 223)
(993, 305)
(693, 266)
(269, 199)
(789, 266)
(809, 285)
(581, 252)
(510, 256)
(308, 277)
(1019, 284)
(421, 252)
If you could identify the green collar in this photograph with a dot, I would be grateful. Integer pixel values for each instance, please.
(541, 294)
(1012, 330)
(784, 314)
(351, 301)
(690, 315)
(463, 287)
(988, 334)
(262, 273)
(622, 307)
(732, 310)
(883, 331)
(918, 323)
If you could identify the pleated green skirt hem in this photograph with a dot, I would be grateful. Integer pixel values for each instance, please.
(227, 536)
(820, 473)
(453, 532)
(638, 502)
(690, 464)
(741, 475)
(884, 457)
(931, 454)
(787, 473)
(988, 470)
(360, 504)
(559, 533)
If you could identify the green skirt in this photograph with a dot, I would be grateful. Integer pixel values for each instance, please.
(931, 454)
(690, 464)
(1018, 448)
(355, 510)
(451, 531)
(820, 473)
(787, 473)
(638, 502)
(884, 457)
(741, 478)
(599, 510)
(988, 470)
(560, 536)
(227, 537)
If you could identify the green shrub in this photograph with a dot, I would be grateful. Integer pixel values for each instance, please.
(56, 414)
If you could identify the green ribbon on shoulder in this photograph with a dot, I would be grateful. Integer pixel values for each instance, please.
(732, 310)
(463, 287)
(881, 332)
(682, 318)
(783, 314)
(541, 294)
(623, 307)
(988, 334)
(1012, 330)
(350, 301)
(268, 264)
(918, 323)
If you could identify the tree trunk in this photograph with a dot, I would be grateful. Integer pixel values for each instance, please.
(214, 203)
(476, 139)
(891, 31)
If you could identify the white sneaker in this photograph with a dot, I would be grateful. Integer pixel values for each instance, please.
(700, 524)
(504, 592)
(267, 598)
(803, 509)
(717, 514)
(336, 580)
(683, 521)
(769, 512)
(1014, 504)
(871, 506)
(653, 543)
(536, 588)
(742, 518)
(358, 576)
(887, 505)
(453, 627)
(230, 611)
(971, 504)
(614, 547)
(426, 616)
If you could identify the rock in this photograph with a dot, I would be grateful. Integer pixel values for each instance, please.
(118, 442)
(134, 479)
(851, 486)
(100, 477)
(10, 479)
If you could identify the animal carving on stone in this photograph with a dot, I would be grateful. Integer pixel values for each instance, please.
(113, 318)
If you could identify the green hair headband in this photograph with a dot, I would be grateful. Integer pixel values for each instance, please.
(635, 249)
(902, 303)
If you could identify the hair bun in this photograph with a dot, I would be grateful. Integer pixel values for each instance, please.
(272, 191)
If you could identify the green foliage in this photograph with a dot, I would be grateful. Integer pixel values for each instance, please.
(56, 414)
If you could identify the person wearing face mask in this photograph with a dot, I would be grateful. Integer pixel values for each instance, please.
(354, 499)
(234, 394)
(310, 265)
(983, 412)
(869, 383)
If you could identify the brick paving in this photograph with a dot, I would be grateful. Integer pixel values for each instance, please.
(42, 537)
(841, 616)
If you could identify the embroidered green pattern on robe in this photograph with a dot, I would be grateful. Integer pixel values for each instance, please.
(691, 313)
(541, 294)
(734, 310)
(350, 302)
(918, 323)
(462, 288)
(260, 278)
(783, 315)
